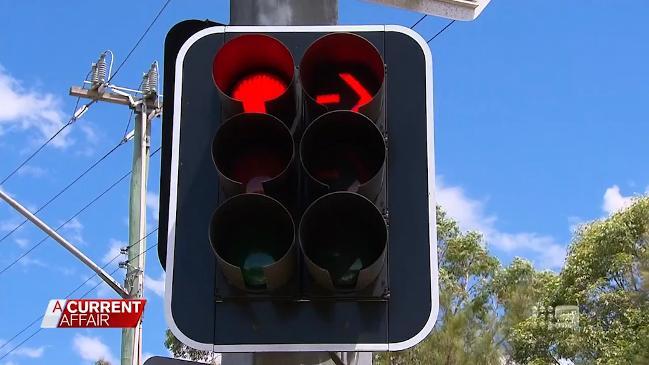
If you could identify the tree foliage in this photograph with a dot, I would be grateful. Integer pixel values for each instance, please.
(495, 319)
(606, 275)
(466, 329)
(182, 351)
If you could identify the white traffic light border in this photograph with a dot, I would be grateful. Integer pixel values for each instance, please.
(361, 347)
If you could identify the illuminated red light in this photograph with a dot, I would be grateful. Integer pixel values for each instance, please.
(364, 96)
(255, 90)
(343, 71)
(328, 99)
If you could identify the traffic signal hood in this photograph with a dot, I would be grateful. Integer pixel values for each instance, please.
(280, 170)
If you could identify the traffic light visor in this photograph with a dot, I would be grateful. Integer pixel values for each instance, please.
(344, 239)
(254, 70)
(343, 150)
(251, 150)
(342, 71)
(253, 238)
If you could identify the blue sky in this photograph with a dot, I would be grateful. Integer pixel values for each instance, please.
(541, 124)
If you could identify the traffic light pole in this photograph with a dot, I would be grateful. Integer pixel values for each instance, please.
(289, 12)
(283, 12)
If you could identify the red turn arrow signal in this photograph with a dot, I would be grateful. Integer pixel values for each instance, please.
(364, 96)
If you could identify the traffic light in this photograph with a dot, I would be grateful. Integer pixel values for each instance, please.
(297, 188)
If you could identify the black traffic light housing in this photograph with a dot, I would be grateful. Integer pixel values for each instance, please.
(297, 188)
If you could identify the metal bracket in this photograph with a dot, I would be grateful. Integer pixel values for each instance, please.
(67, 245)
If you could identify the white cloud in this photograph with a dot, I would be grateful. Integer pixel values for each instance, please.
(157, 286)
(92, 349)
(471, 215)
(74, 231)
(24, 109)
(153, 203)
(113, 251)
(28, 261)
(575, 223)
(89, 133)
(31, 352)
(9, 224)
(14, 221)
(67, 271)
(33, 171)
(146, 356)
(614, 201)
(102, 289)
(21, 242)
(90, 137)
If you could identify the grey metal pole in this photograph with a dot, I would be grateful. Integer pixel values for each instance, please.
(134, 282)
(67, 245)
(283, 12)
(289, 12)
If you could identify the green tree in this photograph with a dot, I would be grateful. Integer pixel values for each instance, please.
(466, 329)
(102, 362)
(606, 275)
(519, 291)
(183, 351)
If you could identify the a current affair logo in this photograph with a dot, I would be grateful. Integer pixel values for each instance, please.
(93, 313)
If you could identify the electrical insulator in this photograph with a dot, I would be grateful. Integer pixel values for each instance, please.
(146, 88)
(98, 72)
(101, 69)
(153, 78)
(94, 78)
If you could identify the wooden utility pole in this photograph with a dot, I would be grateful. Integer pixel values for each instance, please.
(146, 106)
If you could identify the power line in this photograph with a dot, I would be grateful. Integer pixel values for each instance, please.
(94, 200)
(128, 123)
(419, 21)
(74, 181)
(83, 296)
(70, 294)
(75, 289)
(20, 344)
(441, 31)
(76, 115)
(79, 112)
(73, 119)
(64, 223)
(119, 67)
(155, 19)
